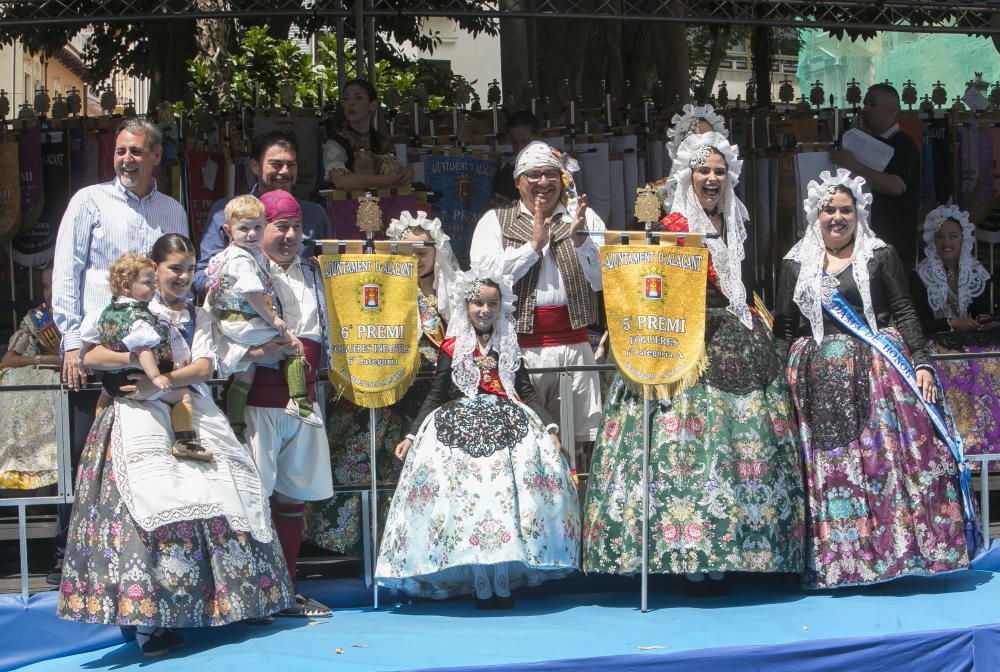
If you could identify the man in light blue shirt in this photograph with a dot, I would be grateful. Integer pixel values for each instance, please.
(273, 163)
(102, 222)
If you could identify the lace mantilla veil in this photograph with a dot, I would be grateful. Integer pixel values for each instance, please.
(464, 372)
(727, 254)
(972, 275)
(445, 263)
(810, 252)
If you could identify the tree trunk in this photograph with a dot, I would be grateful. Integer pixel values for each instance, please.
(668, 43)
(171, 44)
(762, 53)
(720, 43)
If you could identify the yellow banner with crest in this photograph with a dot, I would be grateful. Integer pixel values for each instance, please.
(372, 306)
(654, 300)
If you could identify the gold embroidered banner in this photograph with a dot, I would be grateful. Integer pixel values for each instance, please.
(372, 306)
(10, 191)
(654, 299)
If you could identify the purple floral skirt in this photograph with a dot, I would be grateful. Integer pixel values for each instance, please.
(882, 489)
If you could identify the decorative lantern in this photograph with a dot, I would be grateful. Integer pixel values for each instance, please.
(909, 95)
(493, 93)
(73, 101)
(939, 95)
(108, 101)
(42, 102)
(60, 110)
(853, 93)
(164, 114)
(786, 93)
(25, 113)
(816, 94)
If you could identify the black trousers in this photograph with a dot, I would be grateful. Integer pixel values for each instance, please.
(82, 411)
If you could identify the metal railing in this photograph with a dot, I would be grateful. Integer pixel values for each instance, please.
(369, 493)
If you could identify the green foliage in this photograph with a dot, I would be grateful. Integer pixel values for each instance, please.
(260, 65)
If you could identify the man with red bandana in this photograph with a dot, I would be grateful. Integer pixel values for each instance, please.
(293, 457)
(556, 273)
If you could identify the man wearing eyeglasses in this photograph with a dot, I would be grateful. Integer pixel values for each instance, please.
(543, 241)
(273, 163)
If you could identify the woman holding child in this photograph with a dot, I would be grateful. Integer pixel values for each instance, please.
(156, 541)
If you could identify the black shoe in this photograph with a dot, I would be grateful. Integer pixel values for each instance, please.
(484, 605)
(54, 577)
(161, 642)
(501, 603)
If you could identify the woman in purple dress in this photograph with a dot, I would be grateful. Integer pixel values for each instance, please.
(886, 481)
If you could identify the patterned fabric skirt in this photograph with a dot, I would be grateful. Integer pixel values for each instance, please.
(28, 430)
(725, 488)
(883, 490)
(189, 574)
(335, 523)
(972, 390)
(482, 485)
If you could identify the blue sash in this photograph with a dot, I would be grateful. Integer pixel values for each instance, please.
(944, 424)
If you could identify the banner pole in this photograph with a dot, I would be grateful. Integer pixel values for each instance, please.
(645, 502)
(374, 506)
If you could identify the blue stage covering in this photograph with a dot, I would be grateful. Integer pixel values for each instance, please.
(939, 624)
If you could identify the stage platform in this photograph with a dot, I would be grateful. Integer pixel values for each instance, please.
(943, 623)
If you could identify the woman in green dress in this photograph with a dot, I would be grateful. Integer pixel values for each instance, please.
(725, 488)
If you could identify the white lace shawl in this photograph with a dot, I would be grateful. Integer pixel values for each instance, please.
(464, 372)
(810, 251)
(445, 264)
(972, 275)
(728, 254)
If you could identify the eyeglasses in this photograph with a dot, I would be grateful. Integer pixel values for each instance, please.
(536, 176)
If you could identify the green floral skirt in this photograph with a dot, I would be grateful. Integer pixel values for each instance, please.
(726, 487)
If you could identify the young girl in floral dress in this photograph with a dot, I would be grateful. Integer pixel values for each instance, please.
(486, 502)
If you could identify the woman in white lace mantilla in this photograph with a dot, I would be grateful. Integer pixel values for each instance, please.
(486, 502)
(721, 447)
(950, 289)
(883, 489)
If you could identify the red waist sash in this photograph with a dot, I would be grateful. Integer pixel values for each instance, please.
(270, 390)
(552, 327)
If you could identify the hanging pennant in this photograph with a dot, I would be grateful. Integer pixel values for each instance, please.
(206, 183)
(10, 191)
(465, 184)
(654, 300)
(36, 245)
(77, 160)
(373, 325)
(29, 141)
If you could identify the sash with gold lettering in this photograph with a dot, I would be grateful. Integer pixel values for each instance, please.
(654, 299)
(372, 306)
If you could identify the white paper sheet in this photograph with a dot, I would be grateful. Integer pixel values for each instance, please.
(869, 151)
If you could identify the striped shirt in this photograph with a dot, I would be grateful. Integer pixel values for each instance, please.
(101, 223)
